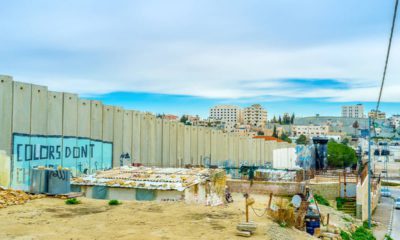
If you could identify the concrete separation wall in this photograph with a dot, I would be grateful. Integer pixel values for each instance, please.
(41, 127)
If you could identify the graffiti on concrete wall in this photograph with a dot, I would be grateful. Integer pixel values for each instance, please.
(304, 156)
(80, 155)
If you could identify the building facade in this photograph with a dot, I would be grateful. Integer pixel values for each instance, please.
(310, 130)
(395, 121)
(376, 115)
(353, 111)
(255, 115)
(229, 114)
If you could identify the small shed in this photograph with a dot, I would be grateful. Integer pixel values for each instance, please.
(192, 185)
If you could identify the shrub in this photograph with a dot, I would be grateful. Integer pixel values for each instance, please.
(321, 200)
(340, 202)
(114, 202)
(72, 201)
(345, 235)
(363, 233)
(387, 237)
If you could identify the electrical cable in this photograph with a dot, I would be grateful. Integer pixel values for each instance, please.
(386, 64)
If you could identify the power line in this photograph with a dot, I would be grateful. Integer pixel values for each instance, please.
(386, 61)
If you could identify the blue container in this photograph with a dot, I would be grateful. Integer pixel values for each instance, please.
(59, 182)
(312, 222)
(39, 181)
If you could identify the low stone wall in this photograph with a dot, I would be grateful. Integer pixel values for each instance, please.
(328, 190)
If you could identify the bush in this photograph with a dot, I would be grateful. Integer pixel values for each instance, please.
(387, 237)
(321, 200)
(340, 202)
(114, 202)
(345, 235)
(363, 233)
(72, 201)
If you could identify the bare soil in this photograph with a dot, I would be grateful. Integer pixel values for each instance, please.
(51, 218)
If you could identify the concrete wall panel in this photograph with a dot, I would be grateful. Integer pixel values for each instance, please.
(200, 144)
(173, 132)
(6, 99)
(96, 120)
(186, 146)
(165, 143)
(39, 110)
(22, 93)
(136, 118)
(151, 141)
(127, 133)
(213, 147)
(84, 118)
(180, 144)
(207, 144)
(55, 113)
(158, 146)
(118, 131)
(108, 132)
(193, 145)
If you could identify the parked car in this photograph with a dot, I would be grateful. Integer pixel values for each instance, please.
(397, 204)
(385, 192)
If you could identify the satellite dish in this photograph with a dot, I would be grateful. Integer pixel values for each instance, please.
(296, 201)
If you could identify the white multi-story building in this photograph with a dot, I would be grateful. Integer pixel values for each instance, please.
(227, 114)
(255, 115)
(353, 111)
(310, 130)
(395, 120)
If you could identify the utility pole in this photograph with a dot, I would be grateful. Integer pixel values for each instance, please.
(369, 172)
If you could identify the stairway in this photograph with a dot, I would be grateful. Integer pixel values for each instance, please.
(349, 206)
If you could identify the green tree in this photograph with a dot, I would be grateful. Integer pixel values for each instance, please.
(345, 141)
(355, 126)
(302, 140)
(274, 133)
(285, 138)
(280, 120)
(260, 133)
(183, 119)
(273, 120)
(292, 118)
(340, 155)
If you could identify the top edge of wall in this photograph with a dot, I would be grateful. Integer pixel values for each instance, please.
(6, 77)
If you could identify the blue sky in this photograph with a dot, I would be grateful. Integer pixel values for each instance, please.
(180, 57)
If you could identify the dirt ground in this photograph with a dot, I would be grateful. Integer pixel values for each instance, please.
(51, 218)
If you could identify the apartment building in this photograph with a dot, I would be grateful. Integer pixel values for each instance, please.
(353, 111)
(376, 115)
(229, 114)
(310, 130)
(255, 115)
(395, 121)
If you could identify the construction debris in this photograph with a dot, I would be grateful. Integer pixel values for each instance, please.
(10, 197)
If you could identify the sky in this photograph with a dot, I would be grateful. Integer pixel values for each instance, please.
(182, 57)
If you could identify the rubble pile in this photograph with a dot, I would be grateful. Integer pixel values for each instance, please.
(153, 178)
(10, 197)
